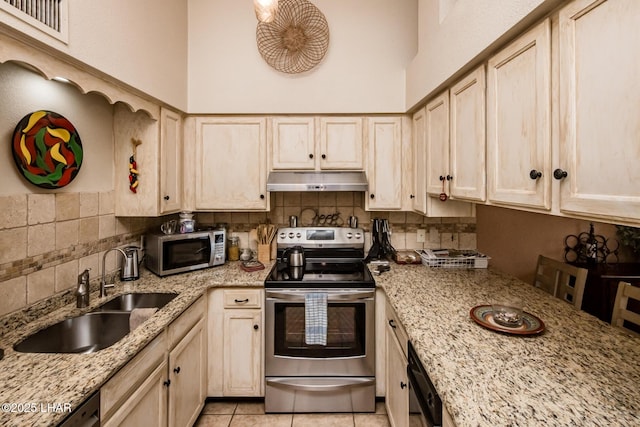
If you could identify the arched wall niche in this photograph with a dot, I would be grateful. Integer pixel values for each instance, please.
(50, 68)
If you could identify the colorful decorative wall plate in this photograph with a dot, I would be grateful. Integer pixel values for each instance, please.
(47, 149)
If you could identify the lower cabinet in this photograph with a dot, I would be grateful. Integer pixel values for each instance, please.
(235, 364)
(164, 384)
(397, 383)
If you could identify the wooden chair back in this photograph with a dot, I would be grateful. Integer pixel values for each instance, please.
(562, 280)
(621, 314)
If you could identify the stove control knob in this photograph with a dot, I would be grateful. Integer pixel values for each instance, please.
(282, 235)
(358, 235)
(349, 235)
(298, 235)
(291, 234)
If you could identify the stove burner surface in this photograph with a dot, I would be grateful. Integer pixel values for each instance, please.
(318, 273)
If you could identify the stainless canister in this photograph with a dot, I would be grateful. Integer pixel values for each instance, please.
(293, 221)
(353, 221)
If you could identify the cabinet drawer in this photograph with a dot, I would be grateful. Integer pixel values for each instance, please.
(242, 298)
(127, 379)
(183, 324)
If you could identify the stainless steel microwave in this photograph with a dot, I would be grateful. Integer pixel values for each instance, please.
(167, 254)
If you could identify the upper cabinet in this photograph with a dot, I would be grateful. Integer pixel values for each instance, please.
(308, 143)
(230, 164)
(518, 121)
(429, 136)
(170, 161)
(293, 143)
(384, 164)
(467, 140)
(599, 109)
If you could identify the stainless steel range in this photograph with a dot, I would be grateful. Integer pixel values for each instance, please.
(320, 340)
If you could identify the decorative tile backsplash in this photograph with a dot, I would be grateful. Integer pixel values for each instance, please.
(46, 240)
(458, 233)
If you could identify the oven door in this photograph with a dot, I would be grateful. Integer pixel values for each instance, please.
(350, 349)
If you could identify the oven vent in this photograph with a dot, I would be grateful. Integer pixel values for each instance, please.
(48, 12)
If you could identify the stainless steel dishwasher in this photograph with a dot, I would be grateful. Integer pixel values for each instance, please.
(86, 415)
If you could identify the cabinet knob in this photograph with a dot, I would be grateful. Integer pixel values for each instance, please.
(176, 370)
(372, 196)
(167, 383)
(441, 178)
(262, 196)
(559, 174)
(166, 197)
(534, 174)
(449, 177)
(311, 156)
(324, 156)
(412, 196)
(392, 323)
(403, 385)
(255, 327)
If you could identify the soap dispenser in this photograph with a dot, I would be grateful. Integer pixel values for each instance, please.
(82, 291)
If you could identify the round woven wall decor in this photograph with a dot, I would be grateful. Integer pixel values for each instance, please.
(296, 40)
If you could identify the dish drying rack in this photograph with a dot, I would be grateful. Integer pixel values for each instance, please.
(453, 258)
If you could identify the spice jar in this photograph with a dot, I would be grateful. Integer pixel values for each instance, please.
(234, 248)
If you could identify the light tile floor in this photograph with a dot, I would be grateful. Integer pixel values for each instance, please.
(249, 414)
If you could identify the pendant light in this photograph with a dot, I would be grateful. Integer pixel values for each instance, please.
(265, 9)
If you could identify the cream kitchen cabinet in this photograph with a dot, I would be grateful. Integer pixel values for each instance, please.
(316, 143)
(171, 134)
(164, 384)
(467, 140)
(427, 128)
(293, 143)
(158, 159)
(599, 90)
(230, 164)
(397, 382)
(386, 151)
(518, 121)
(341, 143)
(235, 347)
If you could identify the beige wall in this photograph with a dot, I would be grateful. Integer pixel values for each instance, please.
(453, 33)
(143, 43)
(514, 239)
(370, 44)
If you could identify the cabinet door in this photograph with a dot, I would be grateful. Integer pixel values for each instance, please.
(419, 162)
(341, 145)
(187, 372)
(437, 145)
(231, 164)
(384, 170)
(293, 143)
(518, 121)
(599, 93)
(147, 405)
(467, 141)
(242, 352)
(397, 400)
(170, 161)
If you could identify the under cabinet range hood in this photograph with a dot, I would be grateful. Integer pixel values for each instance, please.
(317, 181)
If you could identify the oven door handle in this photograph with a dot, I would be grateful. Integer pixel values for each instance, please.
(299, 296)
(328, 387)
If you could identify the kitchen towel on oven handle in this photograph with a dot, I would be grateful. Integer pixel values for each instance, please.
(315, 318)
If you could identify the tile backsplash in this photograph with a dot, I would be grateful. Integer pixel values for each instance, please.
(46, 240)
(458, 233)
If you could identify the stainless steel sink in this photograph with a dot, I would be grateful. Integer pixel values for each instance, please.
(83, 334)
(127, 302)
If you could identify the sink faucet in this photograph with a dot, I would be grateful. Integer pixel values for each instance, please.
(82, 291)
(103, 281)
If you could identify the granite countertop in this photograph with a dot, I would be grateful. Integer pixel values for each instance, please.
(68, 379)
(579, 372)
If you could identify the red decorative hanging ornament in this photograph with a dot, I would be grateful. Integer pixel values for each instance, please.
(133, 167)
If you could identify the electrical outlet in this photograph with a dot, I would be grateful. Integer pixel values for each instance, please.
(421, 235)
